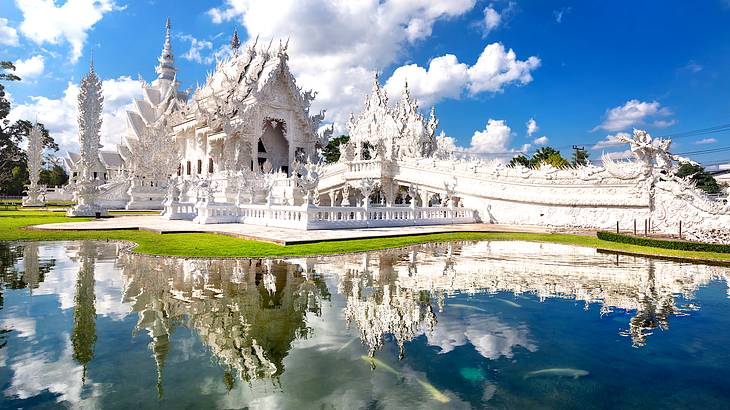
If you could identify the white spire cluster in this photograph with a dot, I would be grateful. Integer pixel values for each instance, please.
(402, 130)
(90, 105)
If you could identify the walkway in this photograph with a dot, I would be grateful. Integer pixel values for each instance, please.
(280, 236)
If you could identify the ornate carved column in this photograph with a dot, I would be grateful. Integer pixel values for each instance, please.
(425, 198)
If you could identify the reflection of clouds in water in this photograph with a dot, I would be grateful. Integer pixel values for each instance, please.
(61, 281)
(491, 337)
(36, 372)
(108, 289)
(331, 335)
(320, 373)
(23, 326)
(353, 386)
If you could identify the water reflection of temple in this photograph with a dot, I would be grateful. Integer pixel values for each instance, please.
(391, 292)
(247, 312)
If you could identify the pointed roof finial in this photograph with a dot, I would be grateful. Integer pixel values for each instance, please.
(91, 61)
(166, 68)
(235, 42)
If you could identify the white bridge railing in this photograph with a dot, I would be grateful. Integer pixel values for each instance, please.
(313, 217)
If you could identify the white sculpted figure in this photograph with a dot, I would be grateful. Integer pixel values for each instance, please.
(35, 160)
(90, 104)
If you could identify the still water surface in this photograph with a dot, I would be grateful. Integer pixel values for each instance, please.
(453, 325)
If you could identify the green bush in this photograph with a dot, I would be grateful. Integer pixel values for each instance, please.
(663, 243)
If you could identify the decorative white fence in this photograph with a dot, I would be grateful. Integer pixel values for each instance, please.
(313, 217)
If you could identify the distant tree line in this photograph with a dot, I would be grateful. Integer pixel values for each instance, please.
(552, 157)
(548, 155)
(13, 160)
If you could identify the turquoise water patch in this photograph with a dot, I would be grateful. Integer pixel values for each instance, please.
(472, 374)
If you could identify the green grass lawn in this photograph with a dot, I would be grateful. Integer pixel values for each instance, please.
(12, 224)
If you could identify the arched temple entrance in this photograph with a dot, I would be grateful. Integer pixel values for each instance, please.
(273, 145)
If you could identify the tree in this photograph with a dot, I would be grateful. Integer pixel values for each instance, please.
(13, 161)
(696, 173)
(10, 153)
(331, 151)
(544, 155)
(53, 174)
(556, 161)
(520, 160)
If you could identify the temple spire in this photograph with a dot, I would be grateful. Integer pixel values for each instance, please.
(91, 101)
(166, 68)
(235, 42)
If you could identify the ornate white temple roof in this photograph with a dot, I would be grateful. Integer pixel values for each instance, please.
(160, 97)
(402, 129)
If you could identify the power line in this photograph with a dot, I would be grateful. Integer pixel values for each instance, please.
(680, 135)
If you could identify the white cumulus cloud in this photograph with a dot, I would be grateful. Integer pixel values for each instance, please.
(492, 19)
(29, 68)
(611, 141)
(446, 77)
(497, 67)
(495, 138)
(635, 113)
(531, 127)
(336, 45)
(8, 35)
(541, 140)
(706, 141)
(46, 22)
(59, 115)
(197, 51)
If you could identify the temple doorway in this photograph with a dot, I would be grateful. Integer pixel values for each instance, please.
(273, 146)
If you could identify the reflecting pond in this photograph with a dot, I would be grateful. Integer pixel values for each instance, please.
(451, 325)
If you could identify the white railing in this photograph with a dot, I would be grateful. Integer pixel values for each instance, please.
(179, 210)
(365, 166)
(327, 217)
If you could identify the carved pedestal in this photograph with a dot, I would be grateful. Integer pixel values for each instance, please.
(34, 197)
(87, 206)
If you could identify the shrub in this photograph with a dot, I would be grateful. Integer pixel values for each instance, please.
(663, 243)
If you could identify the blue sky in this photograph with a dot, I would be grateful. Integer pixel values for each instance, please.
(583, 70)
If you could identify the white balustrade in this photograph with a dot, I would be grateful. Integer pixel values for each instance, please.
(324, 217)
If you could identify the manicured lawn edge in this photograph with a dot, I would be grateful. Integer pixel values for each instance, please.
(664, 243)
(13, 224)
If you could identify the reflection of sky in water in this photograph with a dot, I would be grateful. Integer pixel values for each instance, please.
(503, 324)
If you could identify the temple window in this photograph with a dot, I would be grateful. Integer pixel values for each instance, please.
(200, 166)
(188, 168)
(179, 169)
(210, 165)
(96, 175)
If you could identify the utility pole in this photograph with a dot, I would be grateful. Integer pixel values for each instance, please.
(576, 148)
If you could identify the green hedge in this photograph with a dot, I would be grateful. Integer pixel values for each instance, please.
(663, 243)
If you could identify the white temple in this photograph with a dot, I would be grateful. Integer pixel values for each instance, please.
(243, 148)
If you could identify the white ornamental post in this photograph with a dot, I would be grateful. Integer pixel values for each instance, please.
(35, 158)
